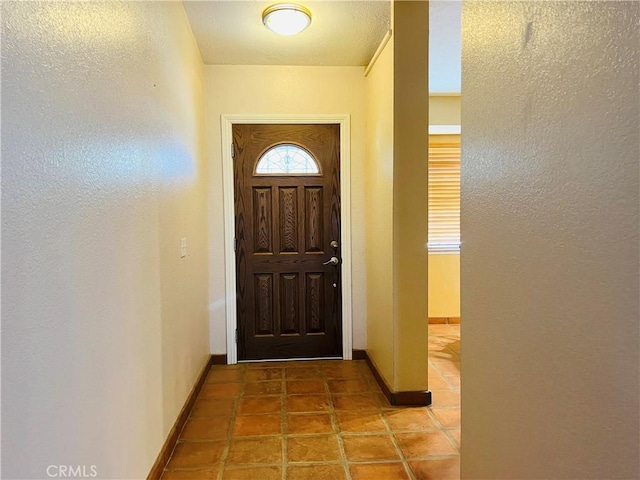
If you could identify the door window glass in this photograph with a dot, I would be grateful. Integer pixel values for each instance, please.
(287, 159)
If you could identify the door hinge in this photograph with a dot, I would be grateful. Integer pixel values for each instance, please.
(235, 244)
(233, 151)
(236, 335)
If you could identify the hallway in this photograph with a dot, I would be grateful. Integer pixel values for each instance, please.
(321, 420)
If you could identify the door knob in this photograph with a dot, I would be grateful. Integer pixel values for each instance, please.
(332, 261)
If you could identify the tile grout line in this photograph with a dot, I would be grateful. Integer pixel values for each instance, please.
(455, 388)
(399, 451)
(444, 376)
(232, 423)
(442, 428)
(336, 427)
(380, 410)
(452, 440)
(284, 426)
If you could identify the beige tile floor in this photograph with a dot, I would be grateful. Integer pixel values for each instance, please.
(321, 420)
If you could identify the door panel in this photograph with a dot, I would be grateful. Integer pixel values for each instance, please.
(262, 215)
(288, 220)
(313, 214)
(315, 301)
(289, 303)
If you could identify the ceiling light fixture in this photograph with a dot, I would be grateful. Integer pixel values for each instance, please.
(286, 18)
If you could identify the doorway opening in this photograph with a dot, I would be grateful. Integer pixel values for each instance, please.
(281, 299)
(445, 86)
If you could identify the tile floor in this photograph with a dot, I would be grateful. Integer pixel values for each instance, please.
(321, 420)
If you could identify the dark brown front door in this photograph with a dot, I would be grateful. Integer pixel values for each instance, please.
(287, 206)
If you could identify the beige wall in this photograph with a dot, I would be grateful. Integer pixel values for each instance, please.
(397, 142)
(410, 199)
(444, 270)
(550, 152)
(379, 214)
(284, 90)
(444, 110)
(104, 325)
(444, 285)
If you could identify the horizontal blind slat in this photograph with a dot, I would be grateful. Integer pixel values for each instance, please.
(444, 195)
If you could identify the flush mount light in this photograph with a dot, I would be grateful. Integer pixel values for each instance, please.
(286, 18)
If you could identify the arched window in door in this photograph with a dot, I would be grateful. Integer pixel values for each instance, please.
(287, 159)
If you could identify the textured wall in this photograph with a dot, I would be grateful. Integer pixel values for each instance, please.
(104, 326)
(273, 90)
(379, 213)
(444, 285)
(550, 148)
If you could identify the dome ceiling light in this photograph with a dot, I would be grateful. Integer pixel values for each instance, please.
(286, 18)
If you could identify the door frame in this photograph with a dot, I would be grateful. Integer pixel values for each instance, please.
(227, 122)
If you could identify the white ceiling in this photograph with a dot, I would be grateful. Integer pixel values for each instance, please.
(230, 32)
(445, 52)
(341, 33)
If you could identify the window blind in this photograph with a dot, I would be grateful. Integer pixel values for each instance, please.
(444, 193)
